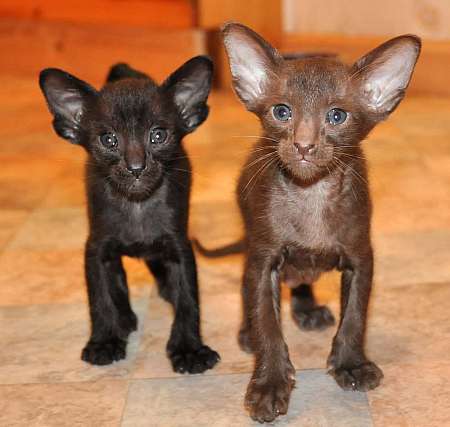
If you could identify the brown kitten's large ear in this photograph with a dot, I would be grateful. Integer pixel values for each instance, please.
(253, 62)
(383, 75)
(67, 98)
(189, 87)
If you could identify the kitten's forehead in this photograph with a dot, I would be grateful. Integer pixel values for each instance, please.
(131, 102)
(316, 80)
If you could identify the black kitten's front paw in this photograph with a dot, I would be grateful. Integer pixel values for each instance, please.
(193, 361)
(316, 318)
(104, 352)
(363, 377)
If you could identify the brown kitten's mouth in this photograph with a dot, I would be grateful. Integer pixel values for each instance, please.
(305, 170)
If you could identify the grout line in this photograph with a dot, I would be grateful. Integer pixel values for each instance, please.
(125, 404)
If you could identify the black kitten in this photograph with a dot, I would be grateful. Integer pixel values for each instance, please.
(138, 180)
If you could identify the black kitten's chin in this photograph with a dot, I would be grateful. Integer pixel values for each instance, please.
(137, 190)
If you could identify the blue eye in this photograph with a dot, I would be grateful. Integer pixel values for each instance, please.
(109, 140)
(336, 116)
(158, 136)
(282, 112)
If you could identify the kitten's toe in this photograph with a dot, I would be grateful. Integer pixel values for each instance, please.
(363, 377)
(104, 352)
(193, 361)
(316, 318)
(267, 399)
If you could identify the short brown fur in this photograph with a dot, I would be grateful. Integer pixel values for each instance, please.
(305, 202)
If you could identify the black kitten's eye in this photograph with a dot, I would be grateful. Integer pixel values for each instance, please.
(282, 112)
(336, 116)
(109, 140)
(158, 136)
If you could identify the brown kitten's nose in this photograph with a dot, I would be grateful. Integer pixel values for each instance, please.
(304, 149)
(136, 170)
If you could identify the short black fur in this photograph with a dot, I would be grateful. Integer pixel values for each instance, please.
(138, 180)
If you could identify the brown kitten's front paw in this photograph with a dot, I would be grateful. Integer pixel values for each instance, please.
(363, 377)
(266, 399)
(316, 318)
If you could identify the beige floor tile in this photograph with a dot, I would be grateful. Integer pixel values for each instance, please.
(410, 258)
(90, 404)
(413, 395)
(52, 229)
(41, 277)
(43, 343)
(218, 401)
(409, 324)
(408, 198)
(56, 276)
(10, 222)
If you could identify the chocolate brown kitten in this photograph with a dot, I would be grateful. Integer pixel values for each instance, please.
(305, 201)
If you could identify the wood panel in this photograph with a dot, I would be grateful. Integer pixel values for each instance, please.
(27, 47)
(174, 14)
(428, 18)
(430, 76)
(263, 17)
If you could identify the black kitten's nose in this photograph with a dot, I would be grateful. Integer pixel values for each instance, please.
(304, 149)
(136, 170)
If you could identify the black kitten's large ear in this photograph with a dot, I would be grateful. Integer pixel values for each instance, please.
(253, 63)
(383, 75)
(67, 98)
(189, 87)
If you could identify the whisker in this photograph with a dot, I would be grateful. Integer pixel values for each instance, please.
(352, 171)
(256, 174)
(255, 136)
(350, 155)
(265, 167)
(259, 159)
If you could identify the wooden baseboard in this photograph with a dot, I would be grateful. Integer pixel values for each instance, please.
(432, 70)
(88, 51)
(165, 14)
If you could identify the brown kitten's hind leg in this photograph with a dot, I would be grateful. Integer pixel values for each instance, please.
(306, 313)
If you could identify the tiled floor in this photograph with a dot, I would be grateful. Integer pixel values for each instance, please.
(44, 317)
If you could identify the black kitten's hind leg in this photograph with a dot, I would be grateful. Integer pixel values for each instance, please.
(306, 313)
(112, 318)
(177, 284)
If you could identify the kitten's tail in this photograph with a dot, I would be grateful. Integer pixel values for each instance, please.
(231, 249)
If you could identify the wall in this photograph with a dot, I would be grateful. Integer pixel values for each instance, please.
(429, 19)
